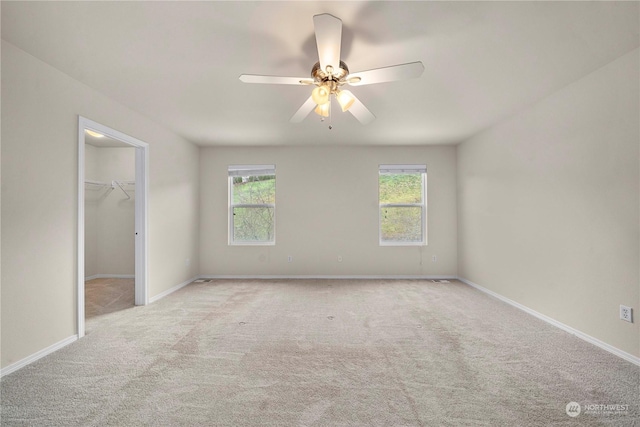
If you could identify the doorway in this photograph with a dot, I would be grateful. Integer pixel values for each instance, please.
(107, 194)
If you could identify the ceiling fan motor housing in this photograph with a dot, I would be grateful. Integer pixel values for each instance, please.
(320, 76)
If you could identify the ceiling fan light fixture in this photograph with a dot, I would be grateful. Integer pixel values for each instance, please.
(321, 95)
(322, 110)
(345, 99)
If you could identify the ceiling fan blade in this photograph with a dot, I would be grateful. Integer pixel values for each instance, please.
(251, 78)
(303, 111)
(386, 74)
(328, 40)
(361, 112)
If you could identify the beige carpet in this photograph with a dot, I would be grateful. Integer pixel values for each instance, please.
(323, 353)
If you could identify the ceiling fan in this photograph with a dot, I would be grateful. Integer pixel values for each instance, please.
(330, 74)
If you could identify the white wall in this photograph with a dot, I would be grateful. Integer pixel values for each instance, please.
(40, 108)
(548, 205)
(327, 206)
(109, 214)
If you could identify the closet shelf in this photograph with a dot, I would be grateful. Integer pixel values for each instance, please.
(99, 185)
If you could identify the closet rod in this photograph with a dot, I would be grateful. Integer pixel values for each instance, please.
(104, 184)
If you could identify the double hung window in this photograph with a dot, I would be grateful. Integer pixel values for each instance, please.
(252, 204)
(403, 208)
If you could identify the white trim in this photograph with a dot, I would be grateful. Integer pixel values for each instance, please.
(400, 243)
(38, 355)
(80, 226)
(256, 243)
(141, 290)
(320, 276)
(251, 170)
(171, 290)
(141, 214)
(400, 169)
(110, 276)
(588, 338)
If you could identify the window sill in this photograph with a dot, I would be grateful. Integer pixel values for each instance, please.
(402, 244)
(252, 243)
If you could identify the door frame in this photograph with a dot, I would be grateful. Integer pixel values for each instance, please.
(141, 213)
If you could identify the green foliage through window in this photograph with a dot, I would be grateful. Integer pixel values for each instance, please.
(401, 224)
(401, 188)
(253, 224)
(254, 189)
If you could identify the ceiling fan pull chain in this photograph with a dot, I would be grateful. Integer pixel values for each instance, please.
(330, 122)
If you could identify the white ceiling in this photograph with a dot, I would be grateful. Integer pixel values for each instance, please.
(178, 62)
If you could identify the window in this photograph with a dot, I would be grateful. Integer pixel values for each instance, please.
(252, 198)
(402, 198)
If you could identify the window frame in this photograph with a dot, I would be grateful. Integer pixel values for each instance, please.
(251, 170)
(404, 169)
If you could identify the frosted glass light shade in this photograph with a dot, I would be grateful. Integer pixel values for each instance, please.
(320, 95)
(322, 110)
(345, 99)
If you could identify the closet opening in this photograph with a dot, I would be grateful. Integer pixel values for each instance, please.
(112, 223)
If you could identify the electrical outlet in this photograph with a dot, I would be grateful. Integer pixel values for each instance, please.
(187, 262)
(626, 313)
(434, 258)
(289, 258)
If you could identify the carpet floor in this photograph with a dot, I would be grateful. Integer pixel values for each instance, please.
(323, 353)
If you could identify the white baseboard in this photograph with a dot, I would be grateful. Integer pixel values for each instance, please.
(319, 276)
(57, 346)
(38, 355)
(171, 290)
(110, 276)
(603, 345)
